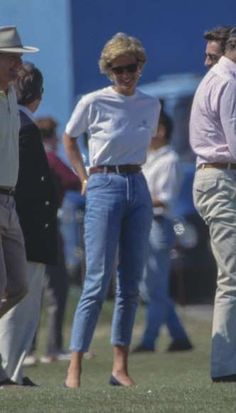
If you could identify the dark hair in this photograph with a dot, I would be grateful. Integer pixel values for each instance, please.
(231, 42)
(47, 126)
(29, 84)
(167, 122)
(218, 34)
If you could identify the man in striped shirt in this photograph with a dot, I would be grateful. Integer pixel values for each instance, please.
(213, 139)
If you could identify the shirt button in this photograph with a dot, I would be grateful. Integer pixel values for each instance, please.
(46, 225)
(47, 203)
(42, 178)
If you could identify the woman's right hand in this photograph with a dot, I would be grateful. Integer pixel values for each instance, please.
(84, 186)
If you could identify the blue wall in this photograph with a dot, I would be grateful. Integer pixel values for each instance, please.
(71, 34)
(171, 31)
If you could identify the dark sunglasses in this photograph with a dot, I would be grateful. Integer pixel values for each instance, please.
(118, 70)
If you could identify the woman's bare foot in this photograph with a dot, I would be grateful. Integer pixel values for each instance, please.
(74, 371)
(72, 380)
(122, 379)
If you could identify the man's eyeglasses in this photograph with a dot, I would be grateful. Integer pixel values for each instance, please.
(119, 70)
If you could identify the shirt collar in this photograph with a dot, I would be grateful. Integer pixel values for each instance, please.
(8, 91)
(26, 111)
(228, 64)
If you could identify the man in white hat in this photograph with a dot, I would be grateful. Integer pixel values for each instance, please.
(13, 285)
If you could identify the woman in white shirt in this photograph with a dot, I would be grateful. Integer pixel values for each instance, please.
(120, 122)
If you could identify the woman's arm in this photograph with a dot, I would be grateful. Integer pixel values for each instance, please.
(73, 152)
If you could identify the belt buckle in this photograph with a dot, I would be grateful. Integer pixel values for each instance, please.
(228, 165)
(117, 169)
(105, 169)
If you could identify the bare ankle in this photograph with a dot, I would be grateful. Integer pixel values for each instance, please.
(74, 371)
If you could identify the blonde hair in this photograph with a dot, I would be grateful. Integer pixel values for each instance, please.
(120, 45)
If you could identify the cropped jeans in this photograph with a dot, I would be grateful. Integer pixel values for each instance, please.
(118, 217)
(215, 198)
(160, 308)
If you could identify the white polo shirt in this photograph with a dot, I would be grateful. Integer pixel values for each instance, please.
(9, 138)
(119, 127)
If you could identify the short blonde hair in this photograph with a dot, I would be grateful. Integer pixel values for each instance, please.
(120, 45)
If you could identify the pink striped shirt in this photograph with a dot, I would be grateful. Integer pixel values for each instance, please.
(213, 115)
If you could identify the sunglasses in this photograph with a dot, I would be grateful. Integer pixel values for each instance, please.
(118, 70)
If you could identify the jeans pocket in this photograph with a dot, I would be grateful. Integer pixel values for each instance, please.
(98, 181)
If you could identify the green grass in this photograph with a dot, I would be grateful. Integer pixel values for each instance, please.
(165, 382)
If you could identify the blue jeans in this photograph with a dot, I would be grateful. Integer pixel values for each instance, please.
(118, 216)
(160, 307)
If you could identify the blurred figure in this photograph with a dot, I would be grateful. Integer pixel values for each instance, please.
(164, 178)
(213, 137)
(72, 223)
(216, 39)
(36, 204)
(56, 280)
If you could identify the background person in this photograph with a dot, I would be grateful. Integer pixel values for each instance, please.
(56, 277)
(36, 204)
(120, 122)
(164, 178)
(213, 137)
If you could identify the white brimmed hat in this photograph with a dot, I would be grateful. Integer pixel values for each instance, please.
(10, 41)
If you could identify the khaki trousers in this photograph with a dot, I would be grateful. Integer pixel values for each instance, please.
(214, 193)
(13, 284)
(18, 326)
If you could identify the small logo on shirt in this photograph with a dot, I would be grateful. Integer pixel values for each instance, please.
(143, 123)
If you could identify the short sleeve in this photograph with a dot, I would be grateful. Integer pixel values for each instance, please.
(78, 122)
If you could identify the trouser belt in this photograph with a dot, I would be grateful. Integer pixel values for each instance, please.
(7, 191)
(117, 169)
(218, 165)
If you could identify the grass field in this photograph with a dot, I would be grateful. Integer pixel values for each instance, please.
(165, 382)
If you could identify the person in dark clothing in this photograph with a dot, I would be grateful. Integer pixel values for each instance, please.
(36, 204)
(56, 280)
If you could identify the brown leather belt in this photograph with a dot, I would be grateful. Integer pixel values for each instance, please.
(217, 165)
(7, 191)
(116, 169)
